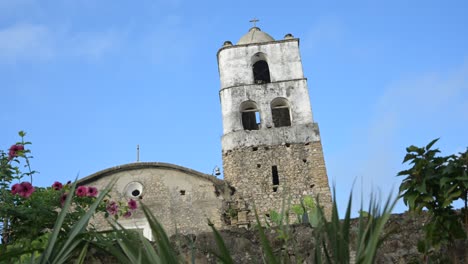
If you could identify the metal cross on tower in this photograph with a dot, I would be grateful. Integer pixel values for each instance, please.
(254, 21)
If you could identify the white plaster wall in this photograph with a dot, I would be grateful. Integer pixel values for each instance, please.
(271, 136)
(295, 92)
(284, 61)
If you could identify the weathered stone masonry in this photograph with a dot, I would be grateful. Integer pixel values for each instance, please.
(300, 169)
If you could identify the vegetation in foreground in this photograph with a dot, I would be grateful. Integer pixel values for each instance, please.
(432, 184)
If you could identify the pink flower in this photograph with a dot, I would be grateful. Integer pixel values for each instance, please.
(112, 208)
(132, 204)
(81, 191)
(57, 186)
(26, 189)
(63, 198)
(127, 214)
(13, 152)
(16, 188)
(92, 191)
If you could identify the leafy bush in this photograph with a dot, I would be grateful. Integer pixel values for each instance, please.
(434, 183)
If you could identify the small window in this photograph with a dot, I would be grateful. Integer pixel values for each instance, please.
(261, 72)
(280, 112)
(275, 177)
(251, 119)
(133, 190)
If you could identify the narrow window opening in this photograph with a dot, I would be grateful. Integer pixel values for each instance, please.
(288, 145)
(182, 192)
(259, 165)
(280, 112)
(281, 117)
(257, 118)
(251, 120)
(304, 160)
(261, 72)
(250, 115)
(275, 177)
(312, 186)
(254, 148)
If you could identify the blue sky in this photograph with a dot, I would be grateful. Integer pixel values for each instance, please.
(89, 80)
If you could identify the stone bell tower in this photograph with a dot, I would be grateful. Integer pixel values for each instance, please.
(271, 146)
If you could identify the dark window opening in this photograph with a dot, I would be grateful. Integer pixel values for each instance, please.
(251, 119)
(304, 160)
(275, 177)
(281, 116)
(233, 190)
(288, 145)
(182, 192)
(312, 185)
(136, 192)
(261, 72)
(254, 148)
(259, 165)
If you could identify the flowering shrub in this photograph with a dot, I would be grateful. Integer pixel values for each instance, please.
(28, 212)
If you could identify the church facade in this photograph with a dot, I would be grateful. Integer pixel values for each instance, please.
(271, 147)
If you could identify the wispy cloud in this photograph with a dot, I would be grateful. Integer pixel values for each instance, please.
(94, 45)
(28, 42)
(411, 111)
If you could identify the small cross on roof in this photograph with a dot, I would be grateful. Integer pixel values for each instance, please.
(254, 21)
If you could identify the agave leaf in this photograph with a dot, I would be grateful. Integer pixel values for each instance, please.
(166, 252)
(224, 255)
(271, 259)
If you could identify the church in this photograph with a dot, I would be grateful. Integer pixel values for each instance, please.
(271, 148)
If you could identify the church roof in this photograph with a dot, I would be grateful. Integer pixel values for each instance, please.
(255, 35)
(143, 165)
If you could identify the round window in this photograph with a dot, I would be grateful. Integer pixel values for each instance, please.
(134, 189)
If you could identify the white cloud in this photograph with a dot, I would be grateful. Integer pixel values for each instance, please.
(27, 42)
(411, 111)
(94, 45)
(24, 41)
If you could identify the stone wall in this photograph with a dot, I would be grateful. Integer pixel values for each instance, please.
(300, 170)
(180, 198)
(405, 230)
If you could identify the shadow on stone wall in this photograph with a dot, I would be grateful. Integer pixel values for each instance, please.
(405, 230)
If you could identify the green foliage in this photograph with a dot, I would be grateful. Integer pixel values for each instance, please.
(28, 214)
(333, 237)
(433, 183)
(307, 211)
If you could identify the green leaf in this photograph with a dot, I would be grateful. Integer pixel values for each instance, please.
(309, 202)
(428, 146)
(412, 148)
(224, 255)
(409, 157)
(271, 259)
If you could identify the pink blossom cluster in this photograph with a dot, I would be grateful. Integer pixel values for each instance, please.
(84, 191)
(81, 191)
(113, 208)
(14, 151)
(24, 189)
